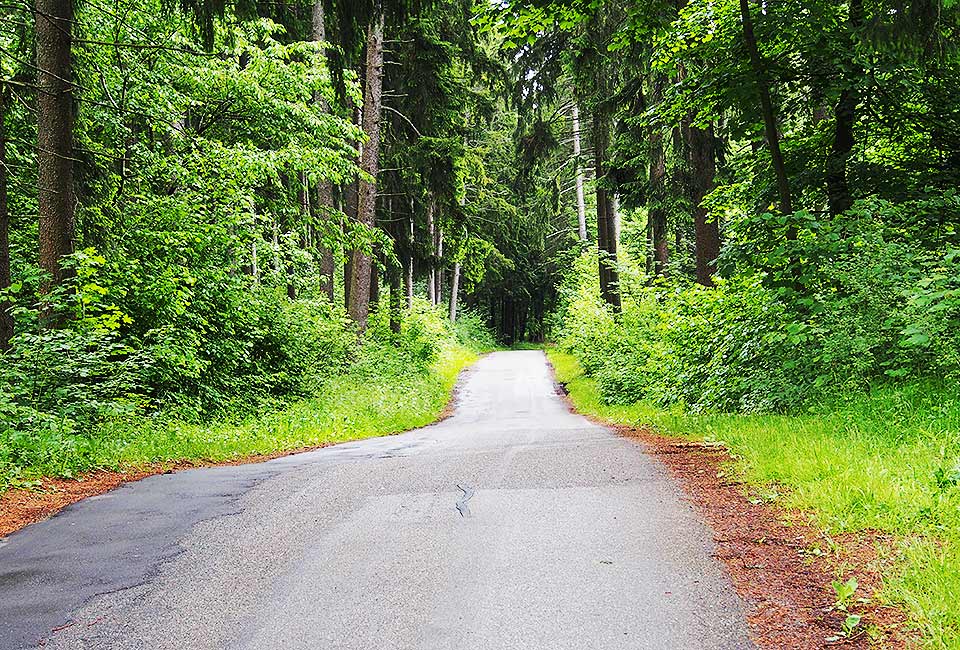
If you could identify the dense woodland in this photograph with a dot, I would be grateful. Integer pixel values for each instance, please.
(211, 211)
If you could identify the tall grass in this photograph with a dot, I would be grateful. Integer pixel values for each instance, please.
(888, 461)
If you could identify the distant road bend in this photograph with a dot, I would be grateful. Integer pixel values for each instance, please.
(513, 524)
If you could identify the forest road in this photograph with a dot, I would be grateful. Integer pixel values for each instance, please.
(512, 524)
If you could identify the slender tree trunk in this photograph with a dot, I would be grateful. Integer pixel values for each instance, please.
(432, 253)
(439, 272)
(656, 209)
(606, 235)
(766, 109)
(350, 200)
(454, 291)
(54, 35)
(845, 113)
(409, 270)
(374, 286)
(706, 232)
(396, 300)
(6, 318)
(325, 203)
(370, 162)
(581, 204)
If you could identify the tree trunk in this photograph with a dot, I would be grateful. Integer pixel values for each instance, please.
(656, 209)
(396, 300)
(439, 271)
(581, 204)
(325, 204)
(845, 113)
(350, 207)
(766, 108)
(409, 270)
(454, 291)
(707, 233)
(606, 235)
(54, 29)
(432, 253)
(6, 318)
(370, 162)
(374, 286)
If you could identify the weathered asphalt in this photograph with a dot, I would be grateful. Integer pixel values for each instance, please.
(513, 524)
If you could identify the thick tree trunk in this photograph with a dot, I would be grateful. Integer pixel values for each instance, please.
(350, 200)
(606, 228)
(845, 113)
(325, 203)
(656, 211)
(454, 291)
(707, 233)
(370, 162)
(581, 203)
(766, 109)
(6, 318)
(54, 29)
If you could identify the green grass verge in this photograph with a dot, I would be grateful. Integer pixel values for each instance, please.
(348, 407)
(889, 462)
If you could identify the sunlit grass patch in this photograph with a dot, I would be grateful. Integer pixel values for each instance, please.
(888, 461)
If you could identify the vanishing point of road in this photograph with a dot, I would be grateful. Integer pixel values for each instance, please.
(513, 524)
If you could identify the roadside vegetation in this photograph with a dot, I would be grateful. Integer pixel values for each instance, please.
(346, 390)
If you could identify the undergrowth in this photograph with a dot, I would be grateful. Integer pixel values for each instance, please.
(887, 461)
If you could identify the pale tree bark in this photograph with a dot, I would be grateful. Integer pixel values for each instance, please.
(325, 203)
(6, 318)
(581, 203)
(408, 281)
(431, 257)
(454, 291)
(54, 35)
(439, 273)
(370, 162)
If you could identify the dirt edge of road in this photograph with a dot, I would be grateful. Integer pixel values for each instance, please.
(20, 507)
(779, 562)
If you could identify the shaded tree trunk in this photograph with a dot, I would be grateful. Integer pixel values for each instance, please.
(54, 36)
(370, 162)
(350, 200)
(581, 203)
(409, 270)
(706, 232)
(839, 197)
(766, 109)
(606, 227)
(656, 211)
(6, 318)
(431, 257)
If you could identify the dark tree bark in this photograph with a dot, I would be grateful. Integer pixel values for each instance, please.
(702, 172)
(766, 108)
(325, 204)
(6, 318)
(606, 226)
(370, 162)
(839, 197)
(54, 35)
(581, 204)
(408, 277)
(657, 213)
(350, 200)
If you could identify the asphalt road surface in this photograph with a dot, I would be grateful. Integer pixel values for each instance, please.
(513, 524)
